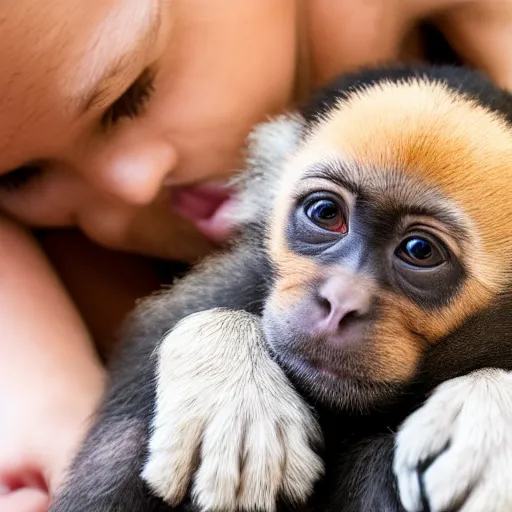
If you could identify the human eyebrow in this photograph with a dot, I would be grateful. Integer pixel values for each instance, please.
(99, 94)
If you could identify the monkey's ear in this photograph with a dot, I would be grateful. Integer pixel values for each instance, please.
(269, 145)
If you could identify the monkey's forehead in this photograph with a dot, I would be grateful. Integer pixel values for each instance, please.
(423, 130)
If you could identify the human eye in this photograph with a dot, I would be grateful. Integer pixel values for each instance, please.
(19, 178)
(133, 100)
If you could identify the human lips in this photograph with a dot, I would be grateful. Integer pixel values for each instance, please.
(208, 207)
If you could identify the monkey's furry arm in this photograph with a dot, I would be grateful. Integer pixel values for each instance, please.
(222, 400)
(105, 477)
(456, 449)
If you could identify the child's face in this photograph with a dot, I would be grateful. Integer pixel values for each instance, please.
(104, 104)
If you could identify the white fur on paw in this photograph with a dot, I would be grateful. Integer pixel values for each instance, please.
(466, 428)
(228, 420)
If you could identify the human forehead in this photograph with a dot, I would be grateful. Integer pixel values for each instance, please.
(53, 52)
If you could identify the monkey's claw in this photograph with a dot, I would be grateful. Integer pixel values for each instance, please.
(455, 452)
(228, 420)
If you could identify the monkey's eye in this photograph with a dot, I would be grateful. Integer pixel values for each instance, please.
(327, 214)
(420, 252)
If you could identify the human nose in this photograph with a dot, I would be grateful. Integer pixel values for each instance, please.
(134, 173)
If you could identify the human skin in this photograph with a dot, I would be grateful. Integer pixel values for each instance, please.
(217, 68)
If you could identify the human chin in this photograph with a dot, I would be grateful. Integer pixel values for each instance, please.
(168, 237)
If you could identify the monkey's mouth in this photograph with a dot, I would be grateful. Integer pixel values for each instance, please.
(209, 207)
(308, 368)
(349, 390)
(322, 368)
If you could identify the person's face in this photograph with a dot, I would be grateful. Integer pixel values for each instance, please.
(111, 109)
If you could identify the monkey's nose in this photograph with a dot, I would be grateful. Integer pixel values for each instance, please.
(339, 302)
(333, 316)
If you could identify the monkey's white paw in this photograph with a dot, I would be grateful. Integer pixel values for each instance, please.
(455, 452)
(228, 420)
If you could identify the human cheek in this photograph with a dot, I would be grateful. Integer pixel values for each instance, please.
(208, 134)
(207, 111)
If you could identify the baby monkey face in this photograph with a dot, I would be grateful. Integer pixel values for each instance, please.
(362, 275)
(385, 240)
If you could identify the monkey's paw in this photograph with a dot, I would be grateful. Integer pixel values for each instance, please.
(227, 420)
(455, 452)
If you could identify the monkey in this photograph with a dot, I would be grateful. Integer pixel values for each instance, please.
(351, 350)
